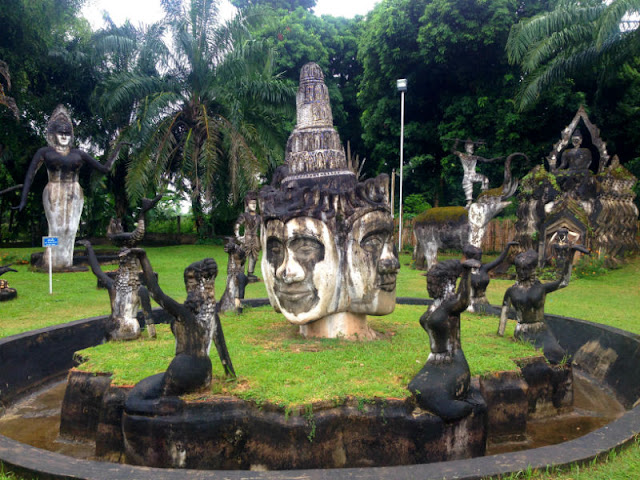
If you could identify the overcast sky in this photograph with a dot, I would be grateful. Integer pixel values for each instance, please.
(149, 11)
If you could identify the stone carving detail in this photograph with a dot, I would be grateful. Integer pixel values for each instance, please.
(126, 293)
(596, 209)
(63, 197)
(442, 385)
(328, 239)
(236, 279)
(527, 297)
(196, 324)
(454, 227)
(6, 292)
(480, 276)
(250, 221)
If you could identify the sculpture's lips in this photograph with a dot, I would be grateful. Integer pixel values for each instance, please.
(294, 294)
(387, 282)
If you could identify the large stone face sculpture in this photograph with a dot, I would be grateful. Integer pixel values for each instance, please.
(587, 193)
(250, 221)
(126, 293)
(6, 292)
(527, 297)
(328, 239)
(63, 198)
(442, 385)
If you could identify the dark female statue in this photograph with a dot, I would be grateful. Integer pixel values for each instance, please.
(527, 297)
(196, 324)
(6, 292)
(442, 385)
(63, 198)
(480, 276)
(125, 291)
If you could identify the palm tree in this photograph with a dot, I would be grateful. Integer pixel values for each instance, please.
(206, 105)
(576, 35)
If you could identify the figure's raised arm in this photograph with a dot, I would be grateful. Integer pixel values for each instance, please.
(35, 164)
(491, 265)
(464, 288)
(489, 160)
(169, 304)
(11, 189)
(95, 265)
(106, 168)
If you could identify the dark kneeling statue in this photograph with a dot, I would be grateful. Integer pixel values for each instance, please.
(196, 325)
(6, 292)
(527, 297)
(442, 385)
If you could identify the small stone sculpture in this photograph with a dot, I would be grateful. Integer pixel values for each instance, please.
(63, 198)
(328, 247)
(6, 292)
(527, 297)
(480, 276)
(469, 160)
(576, 158)
(126, 292)
(236, 279)
(250, 239)
(196, 324)
(442, 385)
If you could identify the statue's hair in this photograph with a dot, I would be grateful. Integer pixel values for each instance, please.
(338, 204)
(59, 118)
(443, 272)
(204, 269)
(251, 195)
(471, 251)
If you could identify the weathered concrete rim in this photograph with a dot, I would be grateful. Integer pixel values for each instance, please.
(33, 461)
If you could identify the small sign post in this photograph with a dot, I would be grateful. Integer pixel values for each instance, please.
(50, 242)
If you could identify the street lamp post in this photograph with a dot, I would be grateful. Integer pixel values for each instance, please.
(402, 87)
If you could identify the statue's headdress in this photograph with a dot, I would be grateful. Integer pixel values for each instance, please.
(60, 121)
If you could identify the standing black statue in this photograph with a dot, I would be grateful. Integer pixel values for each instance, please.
(527, 297)
(196, 324)
(6, 292)
(126, 292)
(442, 385)
(250, 221)
(480, 276)
(236, 279)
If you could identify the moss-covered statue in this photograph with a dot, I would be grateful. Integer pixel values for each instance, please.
(527, 298)
(63, 198)
(6, 292)
(126, 293)
(442, 385)
(329, 258)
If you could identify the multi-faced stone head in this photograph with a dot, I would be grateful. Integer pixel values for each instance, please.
(327, 238)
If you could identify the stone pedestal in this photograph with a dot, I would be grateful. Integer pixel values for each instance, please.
(349, 326)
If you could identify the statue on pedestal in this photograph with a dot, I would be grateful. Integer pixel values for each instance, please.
(236, 279)
(6, 292)
(125, 291)
(196, 325)
(576, 158)
(250, 239)
(442, 385)
(527, 298)
(63, 198)
(469, 160)
(328, 247)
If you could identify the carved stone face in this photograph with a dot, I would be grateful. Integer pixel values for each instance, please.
(576, 140)
(468, 147)
(301, 268)
(199, 281)
(372, 264)
(252, 206)
(526, 266)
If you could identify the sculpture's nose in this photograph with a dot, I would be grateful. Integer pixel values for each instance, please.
(290, 271)
(388, 262)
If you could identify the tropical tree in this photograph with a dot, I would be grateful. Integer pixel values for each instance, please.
(572, 38)
(205, 108)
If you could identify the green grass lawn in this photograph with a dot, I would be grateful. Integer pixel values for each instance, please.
(612, 299)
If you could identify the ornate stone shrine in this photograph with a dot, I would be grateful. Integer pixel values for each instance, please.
(328, 239)
(586, 193)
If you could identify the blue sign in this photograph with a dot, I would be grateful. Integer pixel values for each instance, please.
(49, 241)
